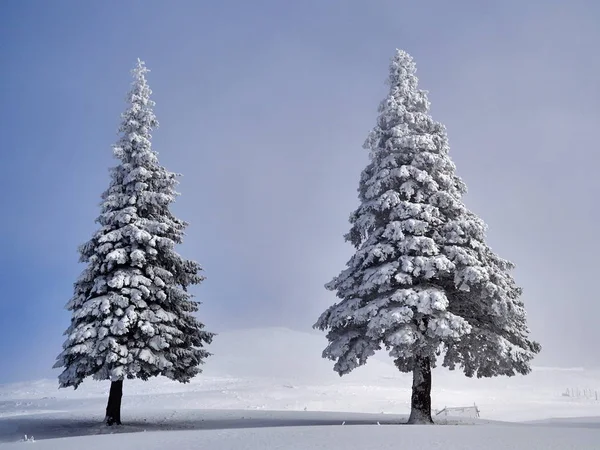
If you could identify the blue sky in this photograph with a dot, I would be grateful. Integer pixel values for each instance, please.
(264, 107)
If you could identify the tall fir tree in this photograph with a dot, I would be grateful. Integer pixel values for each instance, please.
(422, 284)
(132, 314)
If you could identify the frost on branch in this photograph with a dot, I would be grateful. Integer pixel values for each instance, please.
(422, 281)
(132, 315)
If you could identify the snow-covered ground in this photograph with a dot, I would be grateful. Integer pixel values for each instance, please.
(269, 388)
(357, 437)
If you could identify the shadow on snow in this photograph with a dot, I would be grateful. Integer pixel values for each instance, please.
(56, 425)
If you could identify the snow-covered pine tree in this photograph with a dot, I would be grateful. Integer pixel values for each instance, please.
(422, 283)
(132, 316)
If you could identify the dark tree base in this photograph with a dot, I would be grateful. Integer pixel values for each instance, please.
(113, 409)
(420, 408)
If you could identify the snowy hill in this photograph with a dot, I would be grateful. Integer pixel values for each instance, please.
(256, 372)
(333, 437)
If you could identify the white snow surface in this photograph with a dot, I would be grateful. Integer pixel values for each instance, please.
(270, 389)
(358, 437)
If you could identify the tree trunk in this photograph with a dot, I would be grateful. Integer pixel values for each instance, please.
(113, 409)
(420, 407)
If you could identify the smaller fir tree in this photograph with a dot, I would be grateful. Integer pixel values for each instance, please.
(422, 282)
(132, 314)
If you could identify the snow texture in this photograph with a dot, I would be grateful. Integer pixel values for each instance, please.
(225, 401)
(132, 316)
(258, 436)
(422, 282)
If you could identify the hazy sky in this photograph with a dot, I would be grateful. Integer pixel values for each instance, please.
(264, 107)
